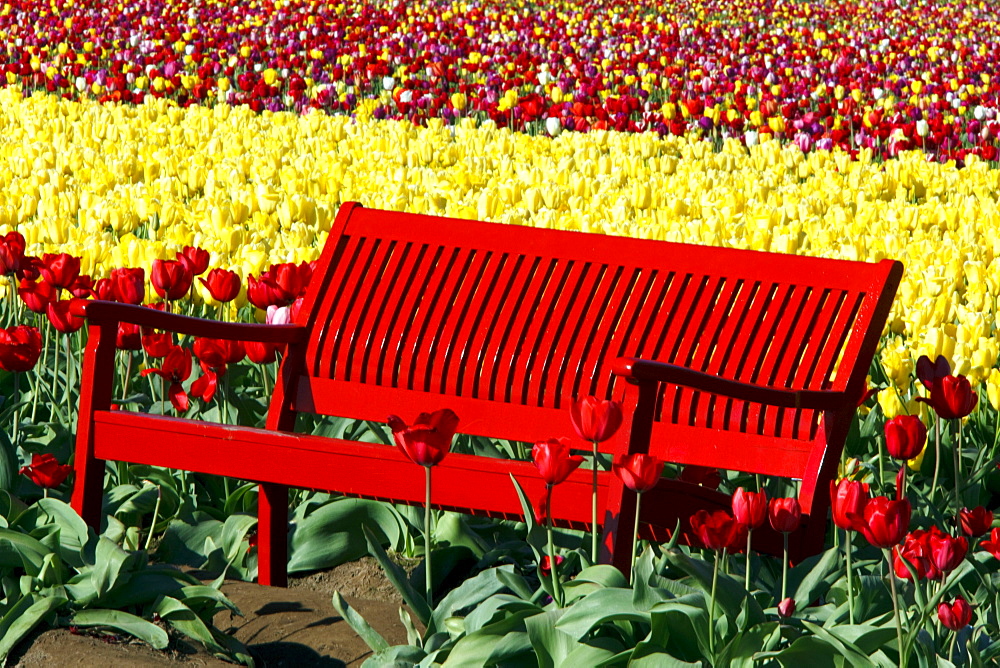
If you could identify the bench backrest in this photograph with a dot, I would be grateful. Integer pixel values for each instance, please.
(507, 324)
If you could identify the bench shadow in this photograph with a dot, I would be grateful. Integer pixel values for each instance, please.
(292, 655)
(281, 606)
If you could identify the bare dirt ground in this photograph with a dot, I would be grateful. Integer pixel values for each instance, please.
(296, 626)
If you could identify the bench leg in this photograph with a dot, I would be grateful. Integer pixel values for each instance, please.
(272, 535)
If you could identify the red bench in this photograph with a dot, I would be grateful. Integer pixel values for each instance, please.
(722, 358)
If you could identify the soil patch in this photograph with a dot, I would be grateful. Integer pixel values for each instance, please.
(296, 626)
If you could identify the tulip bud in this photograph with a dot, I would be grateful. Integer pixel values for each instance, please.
(553, 126)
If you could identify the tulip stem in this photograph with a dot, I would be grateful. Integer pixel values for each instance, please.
(895, 607)
(957, 450)
(428, 579)
(635, 538)
(17, 409)
(556, 589)
(593, 513)
(156, 513)
(937, 456)
(746, 583)
(711, 609)
(850, 576)
(784, 566)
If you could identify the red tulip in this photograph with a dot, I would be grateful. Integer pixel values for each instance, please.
(975, 522)
(205, 385)
(952, 397)
(947, 552)
(20, 348)
(176, 368)
(915, 552)
(292, 278)
(884, 521)
(639, 472)
(60, 270)
(129, 285)
(546, 565)
(955, 616)
(750, 508)
(129, 336)
(217, 353)
(928, 372)
(846, 497)
(786, 608)
(265, 292)
(157, 344)
(595, 420)
(905, 436)
(104, 290)
(262, 353)
(195, 259)
(428, 439)
(62, 318)
(46, 471)
(992, 544)
(222, 284)
(554, 460)
(82, 287)
(785, 515)
(716, 530)
(36, 295)
(171, 279)
(12, 247)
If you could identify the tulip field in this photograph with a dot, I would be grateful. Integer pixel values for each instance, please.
(191, 156)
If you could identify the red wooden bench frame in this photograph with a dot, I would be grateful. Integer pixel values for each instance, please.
(723, 358)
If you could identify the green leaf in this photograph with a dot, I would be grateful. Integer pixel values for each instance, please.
(18, 550)
(470, 593)
(124, 622)
(397, 656)
(551, 645)
(333, 535)
(182, 542)
(8, 463)
(604, 575)
(684, 623)
(730, 593)
(806, 651)
(848, 650)
(234, 500)
(398, 579)
(603, 605)
(184, 620)
(536, 537)
(371, 637)
(195, 596)
(22, 618)
(112, 565)
(814, 584)
(741, 649)
(234, 532)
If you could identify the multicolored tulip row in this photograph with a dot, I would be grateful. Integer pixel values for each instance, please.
(879, 75)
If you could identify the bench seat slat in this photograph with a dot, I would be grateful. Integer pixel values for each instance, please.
(329, 464)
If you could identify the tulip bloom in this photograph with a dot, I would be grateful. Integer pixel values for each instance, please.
(929, 372)
(171, 279)
(639, 472)
(157, 344)
(36, 295)
(554, 461)
(20, 348)
(195, 259)
(428, 439)
(716, 530)
(45, 471)
(956, 615)
(176, 368)
(992, 544)
(846, 497)
(129, 285)
(750, 508)
(905, 436)
(222, 284)
(262, 353)
(60, 270)
(217, 353)
(204, 387)
(785, 515)
(595, 420)
(884, 521)
(62, 318)
(786, 608)
(264, 292)
(129, 336)
(946, 552)
(952, 397)
(12, 247)
(975, 522)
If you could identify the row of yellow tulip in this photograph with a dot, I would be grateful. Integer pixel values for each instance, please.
(123, 185)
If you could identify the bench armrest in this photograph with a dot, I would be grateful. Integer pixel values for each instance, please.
(647, 370)
(98, 312)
